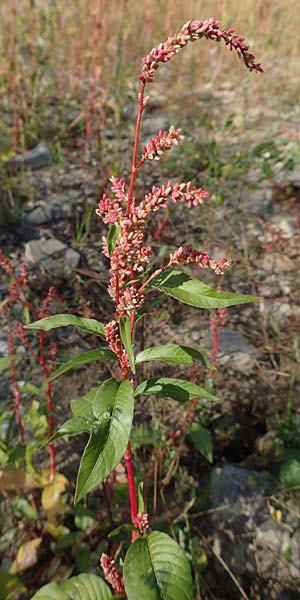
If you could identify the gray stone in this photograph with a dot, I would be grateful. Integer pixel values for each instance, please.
(36, 158)
(246, 537)
(40, 251)
(236, 351)
(52, 255)
(276, 540)
(3, 346)
(257, 202)
(72, 259)
(152, 125)
(278, 311)
(277, 263)
(40, 214)
(239, 555)
(233, 484)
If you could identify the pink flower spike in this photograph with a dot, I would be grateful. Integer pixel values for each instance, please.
(160, 143)
(112, 574)
(191, 31)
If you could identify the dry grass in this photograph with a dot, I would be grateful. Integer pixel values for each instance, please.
(78, 48)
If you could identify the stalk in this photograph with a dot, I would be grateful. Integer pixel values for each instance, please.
(49, 406)
(134, 167)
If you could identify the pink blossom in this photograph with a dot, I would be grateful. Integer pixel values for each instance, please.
(109, 209)
(160, 143)
(141, 522)
(191, 31)
(187, 255)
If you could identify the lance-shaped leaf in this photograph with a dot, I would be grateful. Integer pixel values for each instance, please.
(108, 389)
(178, 389)
(6, 361)
(112, 237)
(65, 320)
(172, 353)
(85, 586)
(81, 359)
(74, 426)
(125, 333)
(202, 440)
(156, 568)
(191, 291)
(108, 440)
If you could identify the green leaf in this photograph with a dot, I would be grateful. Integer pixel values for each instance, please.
(156, 568)
(108, 440)
(10, 586)
(192, 291)
(140, 497)
(112, 237)
(81, 359)
(202, 440)
(74, 426)
(6, 361)
(65, 320)
(171, 353)
(82, 407)
(108, 389)
(289, 474)
(142, 435)
(125, 333)
(178, 389)
(85, 586)
(122, 532)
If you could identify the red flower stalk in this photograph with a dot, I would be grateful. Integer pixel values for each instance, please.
(18, 293)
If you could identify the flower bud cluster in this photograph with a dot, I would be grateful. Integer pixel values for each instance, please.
(160, 143)
(44, 312)
(187, 255)
(178, 192)
(5, 264)
(130, 257)
(191, 31)
(141, 521)
(112, 574)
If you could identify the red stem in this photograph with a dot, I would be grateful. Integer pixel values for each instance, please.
(134, 167)
(49, 405)
(131, 485)
(17, 402)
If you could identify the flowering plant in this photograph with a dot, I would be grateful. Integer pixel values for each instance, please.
(155, 566)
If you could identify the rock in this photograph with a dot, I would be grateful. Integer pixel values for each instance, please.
(246, 537)
(230, 485)
(36, 158)
(3, 347)
(274, 539)
(278, 311)
(236, 351)
(40, 214)
(277, 263)
(52, 254)
(72, 259)
(152, 125)
(257, 202)
(239, 556)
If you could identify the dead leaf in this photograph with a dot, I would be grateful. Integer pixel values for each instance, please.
(27, 556)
